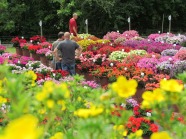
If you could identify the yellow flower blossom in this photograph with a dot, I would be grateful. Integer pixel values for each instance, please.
(171, 85)
(139, 133)
(24, 127)
(42, 111)
(79, 99)
(50, 103)
(48, 86)
(65, 89)
(58, 135)
(62, 103)
(2, 100)
(118, 127)
(160, 135)
(85, 113)
(149, 98)
(124, 88)
(85, 43)
(41, 96)
(105, 96)
(31, 75)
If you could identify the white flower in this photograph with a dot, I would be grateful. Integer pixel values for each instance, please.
(165, 79)
(85, 87)
(123, 50)
(111, 64)
(142, 74)
(123, 105)
(148, 114)
(54, 74)
(125, 68)
(94, 60)
(22, 37)
(170, 59)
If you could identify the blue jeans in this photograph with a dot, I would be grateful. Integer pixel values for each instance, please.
(58, 65)
(69, 67)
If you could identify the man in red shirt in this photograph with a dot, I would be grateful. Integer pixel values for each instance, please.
(73, 25)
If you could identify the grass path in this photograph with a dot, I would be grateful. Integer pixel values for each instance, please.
(10, 50)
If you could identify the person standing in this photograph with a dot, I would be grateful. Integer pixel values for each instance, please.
(57, 60)
(73, 25)
(68, 48)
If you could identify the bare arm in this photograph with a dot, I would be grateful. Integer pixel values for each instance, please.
(79, 51)
(55, 53)
(75, 30)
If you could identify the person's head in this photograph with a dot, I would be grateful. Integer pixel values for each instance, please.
(75, 16)
(67, 36)
(60, 35)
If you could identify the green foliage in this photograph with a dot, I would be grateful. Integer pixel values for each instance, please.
(21, 17)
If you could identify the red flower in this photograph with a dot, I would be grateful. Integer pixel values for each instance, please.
(34, 48)
(134, 130)
(154, 128)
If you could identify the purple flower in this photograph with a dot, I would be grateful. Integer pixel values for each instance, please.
(178, 67)
(169, 52)
(1, 60)
(132, 102)
(42, 51)
(157, 47)
(2, 48)
(149, 63)
(91, 84)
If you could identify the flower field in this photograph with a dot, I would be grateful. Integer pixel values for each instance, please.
(126, 87)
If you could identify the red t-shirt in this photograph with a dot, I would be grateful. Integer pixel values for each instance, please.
(72, 23)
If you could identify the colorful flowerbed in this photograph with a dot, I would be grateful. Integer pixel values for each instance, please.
(132, 88)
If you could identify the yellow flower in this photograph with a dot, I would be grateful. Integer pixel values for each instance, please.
(58, 135)
(50, 103)
(118, 127)
(2, 100)
(41, 96)
(42, 111)
(171, 85)
(105, 96)
(160, 135)
(64, 87)
(139, 133)
(79, 99)
(124, 88)
(96, 111)
(24, 127)
(85, 113)
(62, 103)
(48, 86)
(31, 74)
(150, 98)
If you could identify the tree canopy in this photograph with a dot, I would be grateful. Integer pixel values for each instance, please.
(21, 17)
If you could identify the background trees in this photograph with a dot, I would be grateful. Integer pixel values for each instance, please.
(21, 17)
